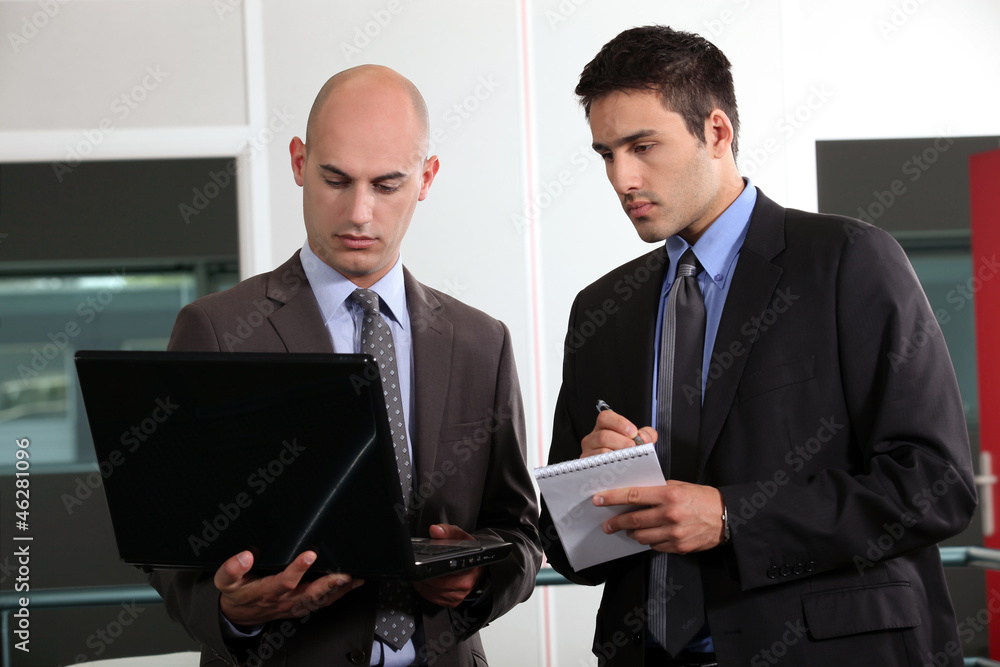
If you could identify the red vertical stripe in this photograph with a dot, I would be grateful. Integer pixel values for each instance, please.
(984, 185)
(534, 286)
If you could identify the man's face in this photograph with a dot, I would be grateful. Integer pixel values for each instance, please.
(664, 176)
(362, 175)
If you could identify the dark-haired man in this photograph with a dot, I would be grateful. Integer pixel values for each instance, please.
(363, 168)
(771, 356)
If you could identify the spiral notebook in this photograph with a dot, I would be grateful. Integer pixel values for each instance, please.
(568, 489)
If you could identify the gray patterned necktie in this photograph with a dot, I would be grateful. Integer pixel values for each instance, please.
(676, 605)
(394, 623)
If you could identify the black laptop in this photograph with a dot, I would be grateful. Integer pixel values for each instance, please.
(205, 455)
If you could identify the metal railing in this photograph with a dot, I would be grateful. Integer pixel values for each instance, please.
(988, 559)
(65, 598)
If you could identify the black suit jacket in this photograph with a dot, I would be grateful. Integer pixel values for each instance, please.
(831, 423)
(470, 461)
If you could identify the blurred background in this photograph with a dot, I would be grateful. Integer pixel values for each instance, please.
(144, 162)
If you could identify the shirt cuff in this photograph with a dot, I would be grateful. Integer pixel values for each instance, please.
(230, 631)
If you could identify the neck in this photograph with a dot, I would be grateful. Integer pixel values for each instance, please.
(729, 189)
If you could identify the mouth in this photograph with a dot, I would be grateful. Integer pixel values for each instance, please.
(638, 209)
(356, 242)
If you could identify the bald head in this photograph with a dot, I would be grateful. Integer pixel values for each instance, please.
(362, 170)
(377, 85)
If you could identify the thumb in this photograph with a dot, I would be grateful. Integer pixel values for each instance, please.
(447, 531)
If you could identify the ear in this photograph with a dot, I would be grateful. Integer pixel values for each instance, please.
(718, 134)
(431, 166)
(297, 149)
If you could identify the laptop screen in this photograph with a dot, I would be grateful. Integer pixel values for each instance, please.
(207, 454)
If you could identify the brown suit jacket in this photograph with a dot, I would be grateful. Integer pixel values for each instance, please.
(470, 456)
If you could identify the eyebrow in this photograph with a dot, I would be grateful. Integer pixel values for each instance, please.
(635, 136)
(391, 176)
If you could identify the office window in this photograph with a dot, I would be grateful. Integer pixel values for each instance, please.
(101, 256)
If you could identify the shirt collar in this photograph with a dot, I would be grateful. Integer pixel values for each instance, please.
(332, 288)
(721, 242)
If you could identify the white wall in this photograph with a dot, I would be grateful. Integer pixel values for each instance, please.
(521, 215)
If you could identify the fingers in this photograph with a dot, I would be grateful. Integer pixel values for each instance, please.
(648, 435)
(612, 421)
(233, 570)
(449, 590)
(252, 600)
(633, 495)
(326, 590)
(335, 580)
(447, 531)
(290, 577)
(613, 431)
(317, 594)
(676, 518)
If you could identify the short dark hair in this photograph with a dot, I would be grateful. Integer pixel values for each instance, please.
(690, 73)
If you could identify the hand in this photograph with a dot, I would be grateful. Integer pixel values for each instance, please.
(611, 432)
(251, 600)
(679, 517)
(449, 590)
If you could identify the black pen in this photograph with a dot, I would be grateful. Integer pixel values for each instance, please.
(602, 406)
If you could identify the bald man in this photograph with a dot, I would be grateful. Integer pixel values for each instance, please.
(362, 170)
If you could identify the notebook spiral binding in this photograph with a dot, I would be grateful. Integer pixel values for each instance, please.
(594, 461)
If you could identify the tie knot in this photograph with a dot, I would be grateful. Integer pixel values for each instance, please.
(367, 299)
(688, 264)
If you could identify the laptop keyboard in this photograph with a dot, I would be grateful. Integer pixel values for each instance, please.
(430, 549)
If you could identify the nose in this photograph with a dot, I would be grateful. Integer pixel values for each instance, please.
(362, 200)
(623, 175)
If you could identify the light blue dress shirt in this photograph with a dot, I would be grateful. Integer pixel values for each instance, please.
(343, 319)
(717, 250)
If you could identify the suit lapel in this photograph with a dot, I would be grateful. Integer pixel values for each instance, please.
(751, 290)
(636, 331)
(432, 360)
(298, 322)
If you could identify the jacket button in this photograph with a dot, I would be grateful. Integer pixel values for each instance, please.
(786, 570)
(810, 566)
(772, 572)
(357, 657)
(799, 568)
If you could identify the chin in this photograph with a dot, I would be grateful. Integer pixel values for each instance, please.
(648, 234)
